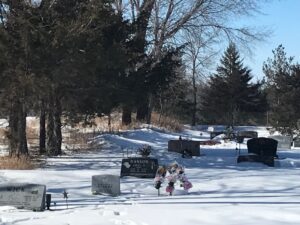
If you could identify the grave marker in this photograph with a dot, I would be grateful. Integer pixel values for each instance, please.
(260, 150)
(247, 134)
(297, 142)
(284, 142)
(106, 184)
(262, 146)
(139, 167)
(23, 196)
(182, 146)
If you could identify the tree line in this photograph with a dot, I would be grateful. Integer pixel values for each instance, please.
(80, 58)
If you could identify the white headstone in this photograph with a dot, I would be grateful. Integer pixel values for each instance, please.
(106, 184)
(210, 129)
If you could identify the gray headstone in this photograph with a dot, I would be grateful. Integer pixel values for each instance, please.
(139, 167)
(106, 184)
(23, 196)
(247, 134)
(284, 142)
(180, 146)
(297, 143)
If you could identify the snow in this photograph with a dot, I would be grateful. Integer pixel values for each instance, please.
(223, 192)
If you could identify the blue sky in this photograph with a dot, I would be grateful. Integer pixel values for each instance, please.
(283, 18)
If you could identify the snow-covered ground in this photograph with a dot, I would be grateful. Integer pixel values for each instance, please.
(223, 192)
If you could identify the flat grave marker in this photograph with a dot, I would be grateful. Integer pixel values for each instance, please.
(139, 167)
(23, 196)
(106, 184)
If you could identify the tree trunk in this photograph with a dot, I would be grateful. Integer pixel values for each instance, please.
(54, 135)
(50, 127)
(57, 125)
(142, 111)
(126, 115)
(17, 134)
(42, 137)
(150, 107)
(194, 94)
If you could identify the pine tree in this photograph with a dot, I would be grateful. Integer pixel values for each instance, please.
(283, 86)
(229, 92)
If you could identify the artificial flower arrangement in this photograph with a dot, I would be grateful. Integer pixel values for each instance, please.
(172, 174)
(144, 150)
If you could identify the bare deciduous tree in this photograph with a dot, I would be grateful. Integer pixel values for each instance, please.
(170, 18)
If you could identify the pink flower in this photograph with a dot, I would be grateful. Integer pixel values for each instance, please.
(187, 185)
(169, 189)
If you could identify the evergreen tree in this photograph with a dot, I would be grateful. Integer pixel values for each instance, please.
(229, 92)
(283, 86)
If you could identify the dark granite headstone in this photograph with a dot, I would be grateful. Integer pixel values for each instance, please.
(284, 142)
(184, 146)
(106, 184)
(139, 167)
(23, 196)
(262, 146)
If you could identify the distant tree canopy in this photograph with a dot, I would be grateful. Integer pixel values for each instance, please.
(229, 92)
(283, 89)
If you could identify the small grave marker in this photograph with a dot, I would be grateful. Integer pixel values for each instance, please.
(139, 167)
(247, 134)
(106, 184)
(297, 143)
(23, 196)
(284, 142)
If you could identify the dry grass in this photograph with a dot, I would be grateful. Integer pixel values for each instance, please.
(15, 163)
(166, 122)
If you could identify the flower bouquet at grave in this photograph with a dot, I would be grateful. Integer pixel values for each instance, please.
(172, 174)
(144, 150)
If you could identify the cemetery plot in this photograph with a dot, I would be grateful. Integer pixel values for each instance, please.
(106, 184)
(139, 167)
(284, 142)
(191, 148)
(23, 196)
